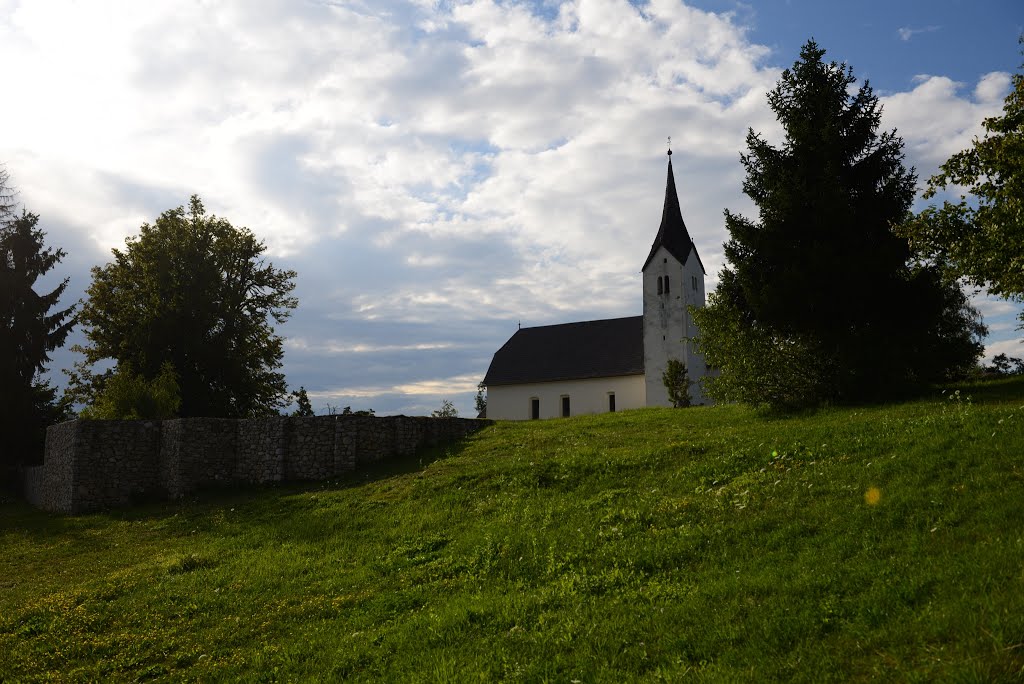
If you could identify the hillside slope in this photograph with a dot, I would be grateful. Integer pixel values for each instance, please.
(645, 545)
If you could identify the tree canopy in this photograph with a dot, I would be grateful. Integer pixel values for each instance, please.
(820, 300)
(303, 407)
(980, 237)
(194, 292)
(29, 330)
(480, 401)
(677, 383)
(126, 395)
(447, 410)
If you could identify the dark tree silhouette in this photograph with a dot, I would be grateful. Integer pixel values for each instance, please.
(29, 331)
(193, 291)
(821, 300)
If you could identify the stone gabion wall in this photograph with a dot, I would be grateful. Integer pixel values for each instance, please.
(261, 448)
(49, 486)
(310, 448)
(93, 465)
(196, 452)
(113, 463)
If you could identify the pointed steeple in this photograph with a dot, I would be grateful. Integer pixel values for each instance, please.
(672, 235)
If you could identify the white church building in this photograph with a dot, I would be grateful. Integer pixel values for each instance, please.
(614, 364)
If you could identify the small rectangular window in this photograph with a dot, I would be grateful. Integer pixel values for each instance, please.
(694, 283)
(534, 409)
(611, 402)
(565, 407)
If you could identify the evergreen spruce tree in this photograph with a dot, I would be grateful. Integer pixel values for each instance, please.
(29, 331)
(819, 301)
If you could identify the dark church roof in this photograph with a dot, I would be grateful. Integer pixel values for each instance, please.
(672, 235)
(571, 351)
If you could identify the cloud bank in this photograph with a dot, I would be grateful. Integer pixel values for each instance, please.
(436, 172)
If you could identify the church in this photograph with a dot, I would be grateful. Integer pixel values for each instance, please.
(614, 364)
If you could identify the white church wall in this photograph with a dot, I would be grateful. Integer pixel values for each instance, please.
(668, 326)
(693, 274)
(664, 323)
(512, 402)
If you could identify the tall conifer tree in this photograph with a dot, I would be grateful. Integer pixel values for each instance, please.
(819, 301)
(29, 331)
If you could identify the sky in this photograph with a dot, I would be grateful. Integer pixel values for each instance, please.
(439, 173)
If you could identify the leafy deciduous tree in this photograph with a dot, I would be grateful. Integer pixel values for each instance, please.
(820, 301)
(447, 410)
(303, 407)
(982, 243)
(126, 395)
(194, 291)
(347, 411)
(481, 399)
(1005, 365)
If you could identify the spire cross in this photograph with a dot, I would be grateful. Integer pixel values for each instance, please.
(670, 145)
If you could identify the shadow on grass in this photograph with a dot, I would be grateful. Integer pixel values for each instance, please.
(994, 391)
(998, 391)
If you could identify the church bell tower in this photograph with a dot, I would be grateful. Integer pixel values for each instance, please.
(673, 279)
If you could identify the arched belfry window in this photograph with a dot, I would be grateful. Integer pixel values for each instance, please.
(666, 284)
(659, 285)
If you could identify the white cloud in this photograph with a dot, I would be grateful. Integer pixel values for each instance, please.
(418, 397)
(1002, 318)
(993, 307)
(1012, 348)
(417, 163)
(906, 33)
(1002, 327)
(339, 347)
(992, 88)
(936, 120)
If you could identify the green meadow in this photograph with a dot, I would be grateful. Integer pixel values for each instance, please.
(722, 544)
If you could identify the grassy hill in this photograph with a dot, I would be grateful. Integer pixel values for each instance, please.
(721, 544)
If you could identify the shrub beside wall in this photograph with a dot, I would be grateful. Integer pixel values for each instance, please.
(96, 464)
